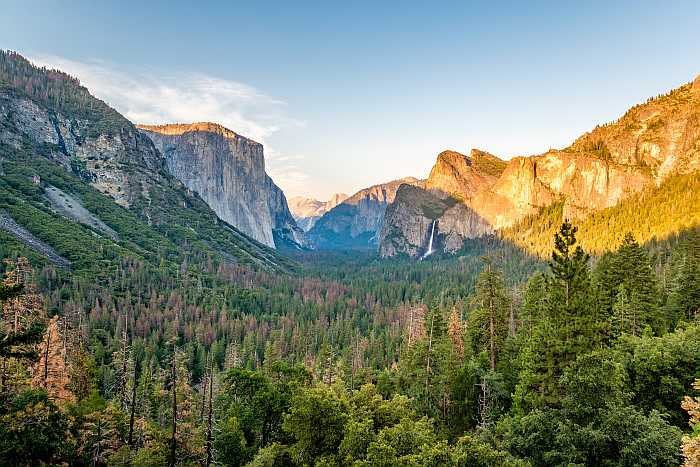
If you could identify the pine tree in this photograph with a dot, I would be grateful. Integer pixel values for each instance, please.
(22, 323)
(569, 275)
(51, 371)
(568, 327)
(534, 306)
(684, 296)
(456, 333)
(629, 267)
(488, 323)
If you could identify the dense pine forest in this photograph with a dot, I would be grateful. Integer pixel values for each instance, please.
(490, 358)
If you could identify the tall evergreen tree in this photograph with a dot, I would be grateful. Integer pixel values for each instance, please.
(630, 268)
(568, 326)
(488, 326)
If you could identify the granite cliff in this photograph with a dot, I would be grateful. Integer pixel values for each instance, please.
(355, 222)
(475, 195)
(228, 171)
(70, 163)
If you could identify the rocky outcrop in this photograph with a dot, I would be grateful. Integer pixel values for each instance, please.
(661, 136)
(228, 171)
(458, 176)
(601, 168)
(105, 157)
(71, 207)
(355, 222)
(307, 211)
(582, 182)
(453, 181)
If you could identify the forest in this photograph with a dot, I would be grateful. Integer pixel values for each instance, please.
(490, 358)
(182, 342)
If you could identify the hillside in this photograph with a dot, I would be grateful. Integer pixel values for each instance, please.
(651, 144)
(55, 135)
(651, 215)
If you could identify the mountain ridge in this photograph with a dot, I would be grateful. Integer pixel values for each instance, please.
(648, 144)
(55, 136)
(356, 221)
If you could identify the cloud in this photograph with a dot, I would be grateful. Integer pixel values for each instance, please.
(155, 97)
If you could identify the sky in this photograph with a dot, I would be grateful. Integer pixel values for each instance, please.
(345, 95)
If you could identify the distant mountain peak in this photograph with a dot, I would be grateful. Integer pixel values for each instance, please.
(307, 211)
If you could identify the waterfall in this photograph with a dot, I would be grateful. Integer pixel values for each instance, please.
(430, 243)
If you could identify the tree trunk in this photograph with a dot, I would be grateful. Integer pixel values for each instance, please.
(46, 356)
(125, 358)
(204, 395)
(173, 441)
(492, 331)
(133, 408)
(209, 422)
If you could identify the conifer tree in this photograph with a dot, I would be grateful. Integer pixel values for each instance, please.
(488, 325)
(684, 296)
(568, 327)
(569, 275)
(534, 305)
(456, 332)
(22, 322)
(51, 371)
(628, 267)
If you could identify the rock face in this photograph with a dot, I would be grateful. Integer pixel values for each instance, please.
(104, 158)
(475, 195)
(307, 211)
(355, 222)
(459, 176)
(453, 181)
(228, 171)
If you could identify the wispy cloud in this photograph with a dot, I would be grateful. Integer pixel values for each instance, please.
(156, 97)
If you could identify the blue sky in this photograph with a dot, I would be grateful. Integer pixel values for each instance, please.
(348, 94)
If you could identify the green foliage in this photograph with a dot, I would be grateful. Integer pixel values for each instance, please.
(627, 290)
(33, 431)
(316, 422)
(654, 214)
(568, 327)
(487, 324)
(661, 369)
(230, 443)
(684, 271)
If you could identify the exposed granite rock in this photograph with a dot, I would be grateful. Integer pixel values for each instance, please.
(356, 221)
(228, 171)
(408, 223)
(73, 209)
(307, 211)
(105, 159)
(661, 135)
(460, 176)
(9, 225)
(601, 168)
